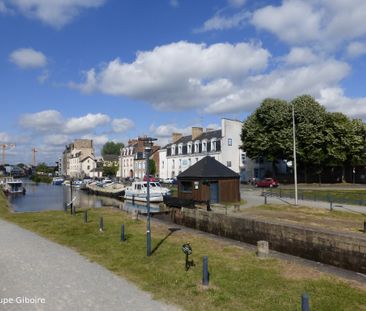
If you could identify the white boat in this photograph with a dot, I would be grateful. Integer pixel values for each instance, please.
(75, 183)
(13, 186)
(138, 191)
(57, 181)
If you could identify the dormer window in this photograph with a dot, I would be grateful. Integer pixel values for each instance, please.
(204, 146)
(189, 148)
(180, 149)
(197, 147)
(213, 144)
(173, 149)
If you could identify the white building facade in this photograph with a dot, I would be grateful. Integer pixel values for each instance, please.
(223, 145)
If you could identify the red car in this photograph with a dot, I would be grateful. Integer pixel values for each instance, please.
(267, 182)
(152, 178)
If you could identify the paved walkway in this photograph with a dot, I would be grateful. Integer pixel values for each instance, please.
(33, 267)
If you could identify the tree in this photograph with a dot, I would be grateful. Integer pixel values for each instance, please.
(111, 147)
(152, 167)
(110, 170)
(267, 132)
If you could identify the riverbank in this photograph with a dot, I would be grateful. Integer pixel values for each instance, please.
(238, 280)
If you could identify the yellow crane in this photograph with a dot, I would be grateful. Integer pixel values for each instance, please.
(34, 150)
(5, 147)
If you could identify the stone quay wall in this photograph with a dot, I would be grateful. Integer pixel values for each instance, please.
(345, 250)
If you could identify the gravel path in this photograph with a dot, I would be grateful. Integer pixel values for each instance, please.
(33, 267)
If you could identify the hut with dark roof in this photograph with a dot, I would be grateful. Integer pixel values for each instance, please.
(210, 180)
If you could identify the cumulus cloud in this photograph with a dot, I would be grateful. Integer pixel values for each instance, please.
(355, 49)
(57, 139)
(220, 22)
(56, 13)
(42, 121)
(316, 21)
(98, 140)
(85, 123)
(4, 137)
(335, 100)
(285, 83)
(166, 130)
(179, 75)
(300, 56)
(28, 58)
(122, 125)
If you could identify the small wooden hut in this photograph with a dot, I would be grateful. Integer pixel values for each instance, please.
(210, 180)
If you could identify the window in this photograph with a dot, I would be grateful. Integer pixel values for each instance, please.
(173, 150)
(180, 163)
(189, 147)
(186, 186)
(180, 149)
(173, 166)
(204, 146)
(229, 142)
(196, 147)
(243, 158)
(162, 164)
(189, 162)
(88, 167)
(228, 164)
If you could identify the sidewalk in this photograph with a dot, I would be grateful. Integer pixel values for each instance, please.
(31, 266)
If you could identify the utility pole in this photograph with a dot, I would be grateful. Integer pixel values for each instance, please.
(294, 143)
(4, 147)
(34, 150)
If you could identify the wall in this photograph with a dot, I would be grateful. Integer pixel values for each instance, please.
(344, 250)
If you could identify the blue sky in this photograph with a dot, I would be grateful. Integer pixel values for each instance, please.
(116, 69)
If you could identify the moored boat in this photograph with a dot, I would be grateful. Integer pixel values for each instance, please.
(57, 181)
(13, 186)
(138, 192)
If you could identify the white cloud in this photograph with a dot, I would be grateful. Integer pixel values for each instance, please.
(4, 137)
(236, 3)
(57, 139)
(324, 22)
(355, 49)
(85, 123)
(28, 58)
(122, 125)
(98, 140)
(166, 130)
(56, 13)
(282, 83)
(300, 56)
(46, 120)
(174, 3)
(220, 22)
(179, 75)
(43, 76)
(335, 100)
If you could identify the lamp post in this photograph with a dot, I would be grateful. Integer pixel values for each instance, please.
(294, 143)
(148, 143)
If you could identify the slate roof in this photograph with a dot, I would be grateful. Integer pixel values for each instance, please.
(208, 167)
(111, 157)
(204, 135)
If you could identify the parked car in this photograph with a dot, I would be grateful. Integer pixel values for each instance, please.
(171, 181)
(152, 178)
(267, 182)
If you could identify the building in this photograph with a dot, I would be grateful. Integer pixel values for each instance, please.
(132, 160)
(223, 145)
(78, 158)
(208, 179)
(110, 160)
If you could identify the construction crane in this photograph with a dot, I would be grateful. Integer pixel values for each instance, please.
(34, 150)
(5, 147)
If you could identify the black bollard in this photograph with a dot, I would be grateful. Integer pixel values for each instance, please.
(85, 216)
(101, 224)
(364, 226)
(123, 233)
(331, 205)
(133, 199)
(265, 198)
(305, 302)
(205, 274)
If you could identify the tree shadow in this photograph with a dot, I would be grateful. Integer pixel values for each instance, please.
(171, 231)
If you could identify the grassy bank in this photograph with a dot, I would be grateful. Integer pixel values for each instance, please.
(238, 280)
(41, 178)
(354, 196)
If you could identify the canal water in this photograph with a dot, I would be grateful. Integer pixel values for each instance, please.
(41, 197)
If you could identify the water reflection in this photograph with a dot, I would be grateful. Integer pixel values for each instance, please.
(42, 197)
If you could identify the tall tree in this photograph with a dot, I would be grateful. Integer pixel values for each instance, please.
(152, 167)
(111, 147)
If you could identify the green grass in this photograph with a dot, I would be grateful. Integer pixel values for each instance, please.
(354, 197)
(238, 280)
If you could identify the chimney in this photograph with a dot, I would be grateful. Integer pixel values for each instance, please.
(196, 131)
(176, 137)
(209, 129)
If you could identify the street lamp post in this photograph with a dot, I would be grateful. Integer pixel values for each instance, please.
(294, 143)
(148, 143)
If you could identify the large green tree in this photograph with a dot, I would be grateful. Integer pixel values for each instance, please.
(111, 147)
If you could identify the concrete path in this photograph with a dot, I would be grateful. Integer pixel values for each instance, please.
(35, 268)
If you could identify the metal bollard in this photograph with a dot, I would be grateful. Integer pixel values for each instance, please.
(331, 205)
(101, 224)
(85, 216)
(205, 273)
(123, 233)
(133, 199)
(305, 302)
(265, 198)
(364, 226)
